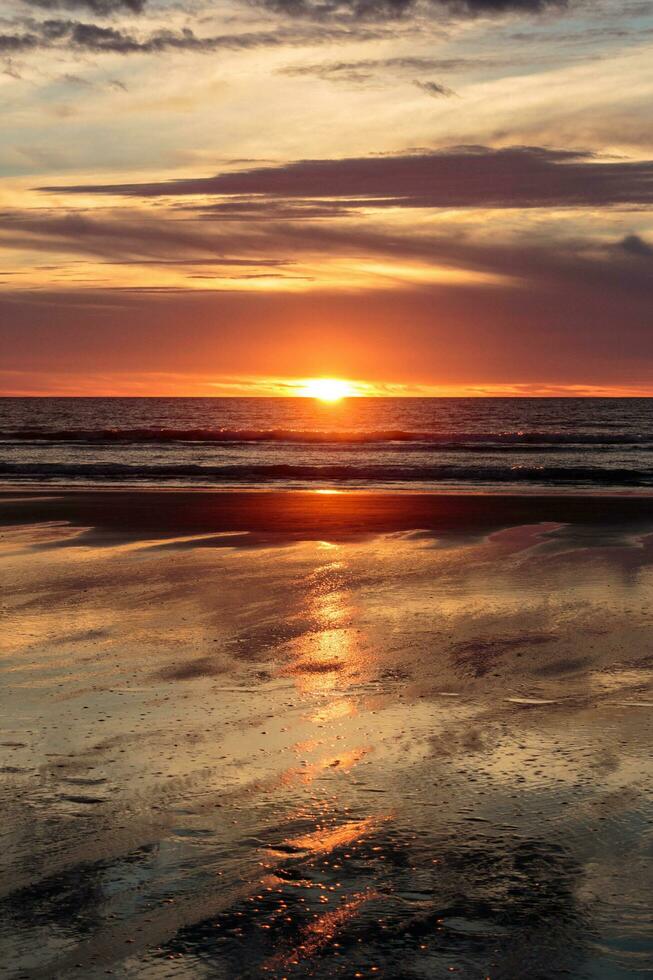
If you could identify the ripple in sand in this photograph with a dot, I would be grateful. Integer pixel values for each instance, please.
(532, 702)
(633, 704)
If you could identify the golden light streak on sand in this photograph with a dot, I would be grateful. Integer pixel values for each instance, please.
(322, 841)
(323, 931)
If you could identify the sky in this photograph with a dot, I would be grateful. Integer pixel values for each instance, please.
(421, 196)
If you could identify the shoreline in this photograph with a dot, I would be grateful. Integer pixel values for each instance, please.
(167, 512)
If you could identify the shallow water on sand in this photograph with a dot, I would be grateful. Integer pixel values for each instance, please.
(406, 756)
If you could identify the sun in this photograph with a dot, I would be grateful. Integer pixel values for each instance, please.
(327, 389)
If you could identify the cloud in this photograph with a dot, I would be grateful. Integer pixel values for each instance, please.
(93, 37)
(349, 9)
(267, 210)
(99, 39)
(101, 8)
(380, 10)
(324, 21)
(127, 238)
(635, 245)
(135, 238)
(435, 89)
(14, 43)
(81, 82)
(460, 177)
(366, 68)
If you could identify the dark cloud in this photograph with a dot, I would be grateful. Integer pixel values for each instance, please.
(324, 21)
(93, 37)
(435, 89)
(101, 8)
(330, 9)
(635, 245)
(15, 43)
(100, 39)
(461, 177)
(379, 10)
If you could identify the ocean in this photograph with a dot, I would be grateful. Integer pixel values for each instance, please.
(494, 444)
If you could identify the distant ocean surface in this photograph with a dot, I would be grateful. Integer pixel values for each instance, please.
(412, 443)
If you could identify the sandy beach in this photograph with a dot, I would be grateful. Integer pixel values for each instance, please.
(326, 735)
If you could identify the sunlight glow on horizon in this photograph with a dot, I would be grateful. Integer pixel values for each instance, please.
(328, 389)
(158, 384)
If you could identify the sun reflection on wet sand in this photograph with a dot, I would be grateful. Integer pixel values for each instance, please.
(326, 657)
(403, 755)
(324, 840)
(343, 708)
(323, 932)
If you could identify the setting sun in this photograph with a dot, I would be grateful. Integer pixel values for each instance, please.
(327, 389)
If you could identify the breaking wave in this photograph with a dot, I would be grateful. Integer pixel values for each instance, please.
(258, 474)
(445, 440)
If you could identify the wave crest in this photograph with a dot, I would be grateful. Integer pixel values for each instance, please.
(244, 474)
(335, 436)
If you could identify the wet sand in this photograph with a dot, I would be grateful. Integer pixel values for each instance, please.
(310, 735)
(310, 513)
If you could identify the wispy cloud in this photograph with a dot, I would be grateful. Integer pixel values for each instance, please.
(363, 69)
(435, 89)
